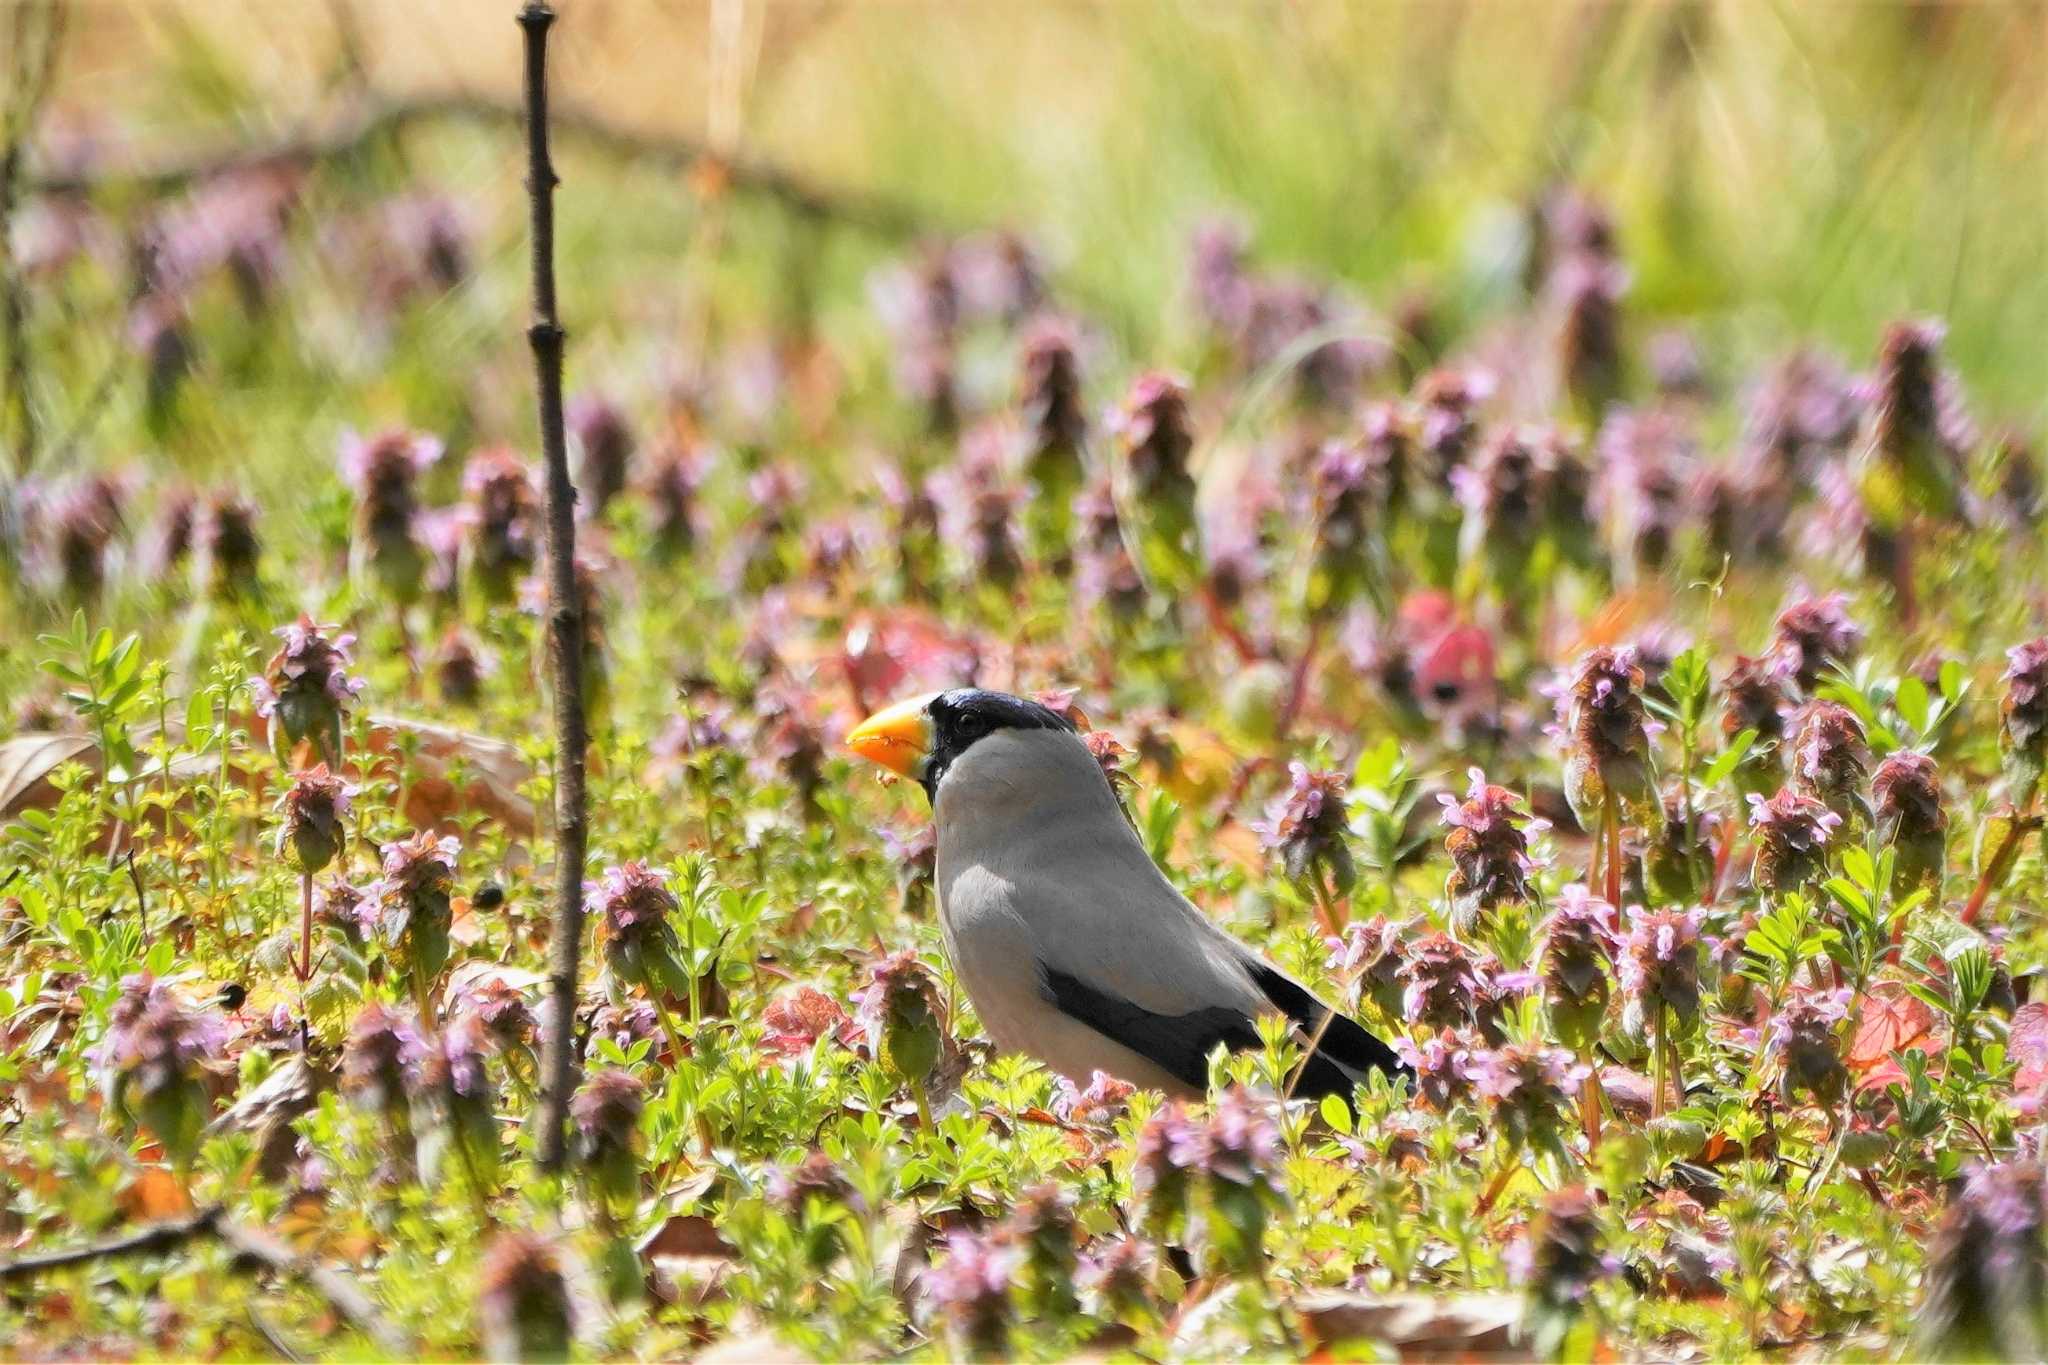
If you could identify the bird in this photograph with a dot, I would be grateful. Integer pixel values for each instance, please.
(1072, 944)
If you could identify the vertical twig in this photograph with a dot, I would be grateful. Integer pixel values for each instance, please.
(36, 34)
(565, 623)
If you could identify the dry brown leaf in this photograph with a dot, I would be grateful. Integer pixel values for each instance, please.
(687, 1236)
(1417, 1326)
(153, 1195)
(27, 760)
(493, 768)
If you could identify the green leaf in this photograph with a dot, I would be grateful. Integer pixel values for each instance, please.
(1952, 681)
(1912, 703)
(1856, 862)
(1337, 1114)
(1724, 762)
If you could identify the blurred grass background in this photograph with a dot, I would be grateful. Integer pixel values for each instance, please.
(1778, 169)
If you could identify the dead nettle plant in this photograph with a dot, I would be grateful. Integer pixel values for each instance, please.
(564, 614)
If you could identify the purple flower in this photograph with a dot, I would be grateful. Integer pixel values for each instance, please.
(384, 471)
(1370, 952)
(1578, 952)
(1648, 460)
(669, 487)
(606, 1111)
(502, 513)
(603, 442)
(1608, 744)
(1918, 428)
(1240, 1143)
(316, 808)
(1803, 1041)
(414, 903)
(1658, 963)
(1306, 825)
(1986, 1267)
(970, 1287)
(1154, 437)
(1440, 1064)
(2023, 717)
(1099, 1105)
(1119, 1274)
(1813, 634)
(1528, 1087)
(500, 1008)
(227, 535)
(1792, 836)
(979, 501)
(633, 907)
(1560, 1259)
(1055, 425)
(900, 1015)
(381, 1044)
(305, 690)
(452, 1061)
(524, 1304)
(1489, 849)
(1440, 982)
(1830, 758)
(1805, 410)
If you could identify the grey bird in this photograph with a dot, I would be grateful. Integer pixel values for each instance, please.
(1070, 941)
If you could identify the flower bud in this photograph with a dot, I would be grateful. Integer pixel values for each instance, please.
(524, 1306)
(305, 690)
(1813, 635)
(1831, 759)
(1528, 1089)
(2023, 719)
(602, 440)
(414, 900)
(606, 1112)
(902, 1018)
(1578, 953)
(1489, 850)
(1792, 837)
(1658, 963)
(315, 827)
(1608, 747)
(1439, 981)
(633, 907)
(1803, 1041)
(1306, 826)
(970, 1288)
(158, 1059)
(1906, 794)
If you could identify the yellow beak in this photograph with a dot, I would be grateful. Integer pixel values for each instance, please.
(898, 737)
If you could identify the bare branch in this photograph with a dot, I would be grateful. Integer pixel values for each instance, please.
(352, 133)
(35, 38)
(248, 1244)
(565, 614)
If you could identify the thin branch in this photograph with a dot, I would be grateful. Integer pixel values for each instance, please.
(164, 1236)
(352, 133)
(248, 1244)
(565, 613)
(347, 1300)
(36, 37)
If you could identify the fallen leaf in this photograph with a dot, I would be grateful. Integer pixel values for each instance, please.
(1894, 1020)
(1417, 1326)
(687, 1236)
(153, 1195)
(26, 760)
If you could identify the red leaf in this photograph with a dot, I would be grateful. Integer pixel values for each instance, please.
(1894, 1020)
(2028, 1046)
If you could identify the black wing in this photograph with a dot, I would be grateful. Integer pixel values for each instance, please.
(1180, 1044)
(1345, 1040)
